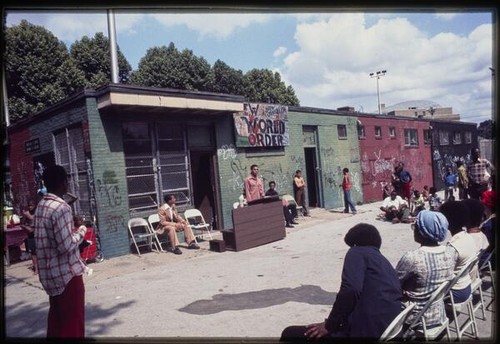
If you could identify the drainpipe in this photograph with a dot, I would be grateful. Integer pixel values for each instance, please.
(112, 46)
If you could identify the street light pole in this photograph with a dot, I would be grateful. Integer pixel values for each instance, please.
(377, 75)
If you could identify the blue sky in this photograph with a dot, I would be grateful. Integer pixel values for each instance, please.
(441, 56)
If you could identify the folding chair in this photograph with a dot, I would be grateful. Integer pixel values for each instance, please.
(486, 267)
(418, 324)
(197, 223)
(154, 220)
(291, 200)
(457, 307)
(397, 324)
(141, 234)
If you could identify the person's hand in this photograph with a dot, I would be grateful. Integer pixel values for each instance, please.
(316, 331)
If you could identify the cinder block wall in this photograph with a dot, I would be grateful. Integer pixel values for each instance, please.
(110, 181)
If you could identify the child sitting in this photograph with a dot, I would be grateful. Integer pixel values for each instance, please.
(418, 203)
(79, 227)
(434, 200)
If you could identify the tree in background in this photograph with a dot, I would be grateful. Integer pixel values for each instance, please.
(93, 57)
(38, 68)
(224, 79)
(167, 67)
(486, 129)
(262, 85)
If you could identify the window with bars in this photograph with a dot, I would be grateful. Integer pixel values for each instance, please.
(392, 132)
(342, 131)
(427, 136)
(468, 137)
(444, 138)
(411, 137)
(378, 132)
(69, 153)
(156, 160)
(361, 132)
(457, 138)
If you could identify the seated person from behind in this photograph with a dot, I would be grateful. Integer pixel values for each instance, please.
(289, 221)
(172, 222)
(369, 297)
(457, 214)
(395, 208)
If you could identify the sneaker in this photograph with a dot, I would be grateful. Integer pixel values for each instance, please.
(289, 226)
(193, 246)
(354, 212)
(174, 250)
(294, 223)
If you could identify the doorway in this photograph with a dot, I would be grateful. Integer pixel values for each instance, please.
(203, 186)
(312, 177)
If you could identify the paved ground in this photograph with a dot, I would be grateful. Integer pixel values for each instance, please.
(239, 296)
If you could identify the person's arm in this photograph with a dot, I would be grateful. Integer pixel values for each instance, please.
(62, 222)
(351, 287)
(405, 269)
(165, 219)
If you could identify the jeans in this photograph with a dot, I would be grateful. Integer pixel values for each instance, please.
(348, 202)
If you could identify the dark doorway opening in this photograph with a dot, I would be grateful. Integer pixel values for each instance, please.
(312, 179)
(202, 175)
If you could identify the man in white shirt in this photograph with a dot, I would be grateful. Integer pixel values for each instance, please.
(395, 208)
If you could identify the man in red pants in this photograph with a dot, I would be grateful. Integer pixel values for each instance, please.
(59, 265)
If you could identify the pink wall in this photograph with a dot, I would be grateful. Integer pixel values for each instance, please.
(380, 155)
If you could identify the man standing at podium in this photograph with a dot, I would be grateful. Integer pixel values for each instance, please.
(253, 188)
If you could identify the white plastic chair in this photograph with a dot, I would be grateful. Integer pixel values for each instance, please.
(198, 224)
(141, 234)
(397, 324)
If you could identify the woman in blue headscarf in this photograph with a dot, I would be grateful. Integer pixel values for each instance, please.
(422, 271)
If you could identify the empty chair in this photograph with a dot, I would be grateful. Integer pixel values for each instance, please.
(396, 326)
(141, 234)
(457, 307)
(198, 224)
(418, 325)
(291, 200)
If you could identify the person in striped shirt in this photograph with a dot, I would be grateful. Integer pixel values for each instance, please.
(60, 268)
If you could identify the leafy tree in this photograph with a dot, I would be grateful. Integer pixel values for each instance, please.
(224, 79)
(167, 67)
(262, 85)
(93, 57)
(38, 70)
(486, 129)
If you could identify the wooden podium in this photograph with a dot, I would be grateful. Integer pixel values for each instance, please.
(257, 224)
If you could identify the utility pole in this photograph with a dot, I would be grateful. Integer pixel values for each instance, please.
(377, 75)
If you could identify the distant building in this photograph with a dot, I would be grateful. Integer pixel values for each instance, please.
(421, 109)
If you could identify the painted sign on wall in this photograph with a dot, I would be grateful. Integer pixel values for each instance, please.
(261, 125)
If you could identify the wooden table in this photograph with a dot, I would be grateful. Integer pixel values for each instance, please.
(255, 225)
(13, 236)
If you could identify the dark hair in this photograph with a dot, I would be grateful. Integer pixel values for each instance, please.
(297, 171)
(459, 163)
(272, 182)
(363, 234)
(54, 176)
(476, 211)
(167, 197)
(433, 190)
(254, 165)
(345, 170)
(457, 214)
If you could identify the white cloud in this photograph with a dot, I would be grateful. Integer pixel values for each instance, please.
(216, 25)
(279, 52)
(336, 54)
(447, 16)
